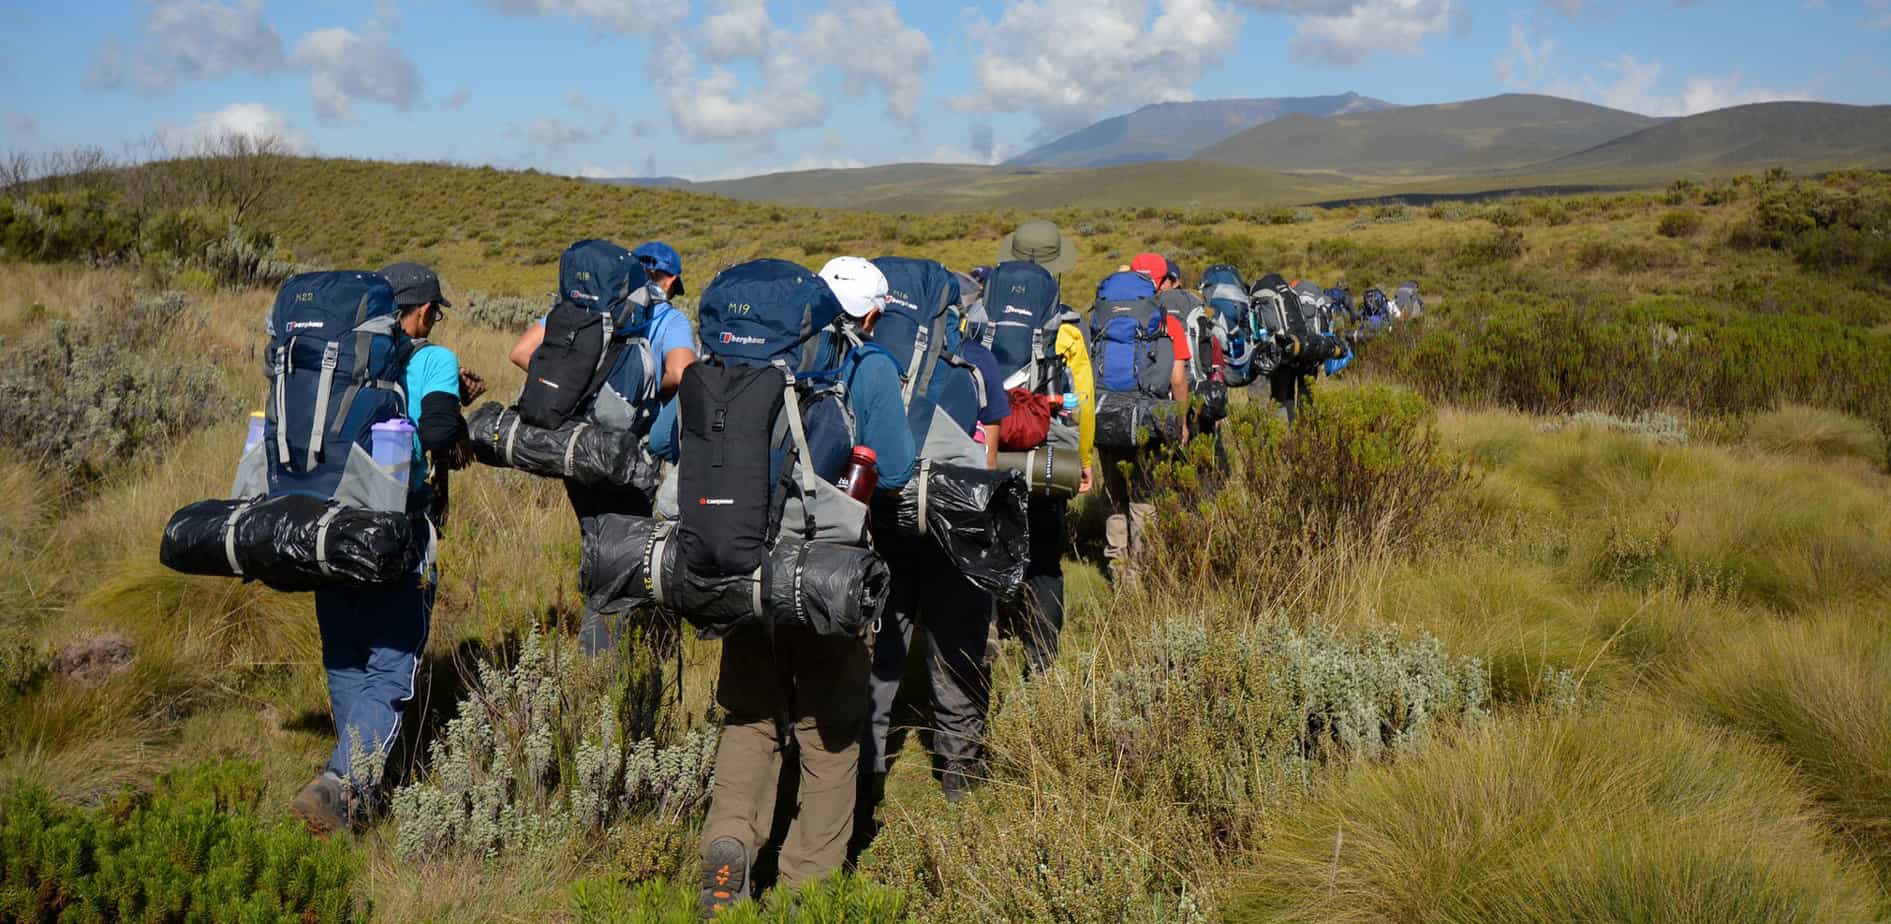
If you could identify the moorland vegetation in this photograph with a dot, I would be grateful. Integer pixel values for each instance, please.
(1568, 602)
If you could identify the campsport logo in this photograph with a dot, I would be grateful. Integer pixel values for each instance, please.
(728, 337)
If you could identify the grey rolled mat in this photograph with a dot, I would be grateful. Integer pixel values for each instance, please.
(291, 542)
(578, 451)
(834, 589)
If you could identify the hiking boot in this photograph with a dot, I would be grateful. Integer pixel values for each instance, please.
(959, 779)
(725, 875)
(324, 806)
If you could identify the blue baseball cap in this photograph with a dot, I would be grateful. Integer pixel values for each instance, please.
(663, 258)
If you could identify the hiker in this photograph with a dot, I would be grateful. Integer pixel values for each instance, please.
(1140, 354)
(372, 638)
(1205, 335)
(1301, 344)
(952, 618)
(626, 400)
(791, 688)
(1031, 258)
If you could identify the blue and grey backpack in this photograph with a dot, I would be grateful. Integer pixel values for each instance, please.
(920, 330)
(1132, 359)
(1225, 291)
(595, 361)
(336, 361)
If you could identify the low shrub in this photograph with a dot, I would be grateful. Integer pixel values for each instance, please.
(1498, 246)
(540, 752)
(1626, 256)
(1679, 224)
(1629, 817)
(116, 385)
(509, 313)
(193, 850)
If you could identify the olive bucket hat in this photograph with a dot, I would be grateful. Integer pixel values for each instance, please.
(1040, 242)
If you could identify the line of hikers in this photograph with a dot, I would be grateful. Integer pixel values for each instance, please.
(825, 471)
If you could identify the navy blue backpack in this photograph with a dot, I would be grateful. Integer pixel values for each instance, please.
(1021, 302)
(920, 330)
(596, 344)
(336, 362)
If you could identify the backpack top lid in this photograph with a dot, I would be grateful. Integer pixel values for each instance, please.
(1309, 289)
(329, 303)
(604, 277)
(919, 295)
(758, 312)
(1223, 274)
(1020, 297)
(1373, 300)
(1409, 285)
(1125, 287)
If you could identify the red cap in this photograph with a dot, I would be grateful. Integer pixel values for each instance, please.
(1152, 265)
(864, 454)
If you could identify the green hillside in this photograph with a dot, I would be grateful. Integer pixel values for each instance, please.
(1446, 139)
(1173, 131)
(1794, 135)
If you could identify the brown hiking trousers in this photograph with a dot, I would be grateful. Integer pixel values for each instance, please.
(819, 683)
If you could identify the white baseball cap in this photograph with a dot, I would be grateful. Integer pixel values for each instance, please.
(859, 285)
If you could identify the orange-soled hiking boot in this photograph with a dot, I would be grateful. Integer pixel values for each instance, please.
(725, 875)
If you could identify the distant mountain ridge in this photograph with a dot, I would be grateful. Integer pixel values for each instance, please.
(1499, 132)
(1784, 133)
(1174, 131)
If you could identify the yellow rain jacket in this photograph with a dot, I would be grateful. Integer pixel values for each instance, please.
(1076, 356)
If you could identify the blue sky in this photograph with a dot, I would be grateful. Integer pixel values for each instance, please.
(715, 88)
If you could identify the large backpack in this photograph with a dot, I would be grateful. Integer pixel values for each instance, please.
(920, 330)
(336, 361)
(761, 416)
(1225, 291)
(597, 332)
(1132, 359)
(1298, 315)
(1408, 300)
(1208, 351)
(1374, 312)
(1021, 302)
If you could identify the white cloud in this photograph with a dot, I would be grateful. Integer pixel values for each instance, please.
(183, 40)
(1111, 56)
(254, 121)
(346, 67)
(865, 41)
(552, 133)
(1627, 82)
(1345, 38)
(624, 17)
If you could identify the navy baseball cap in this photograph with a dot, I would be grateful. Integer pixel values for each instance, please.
(414, 284)
(1175, 272)
(663, 258)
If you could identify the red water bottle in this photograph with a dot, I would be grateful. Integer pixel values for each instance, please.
(861, 476)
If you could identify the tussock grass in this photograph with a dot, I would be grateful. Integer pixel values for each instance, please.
(1630, 817)
(1817, 433)
(1818, 691)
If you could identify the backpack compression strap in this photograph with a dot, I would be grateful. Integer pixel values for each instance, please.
(791, 406)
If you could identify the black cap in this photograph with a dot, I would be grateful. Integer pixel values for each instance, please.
(414, 285)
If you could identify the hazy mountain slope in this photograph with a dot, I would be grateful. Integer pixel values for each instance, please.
(1791, 134)
(1173, 131)
(1448, 138)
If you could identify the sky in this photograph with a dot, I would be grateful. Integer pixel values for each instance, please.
(711, 89)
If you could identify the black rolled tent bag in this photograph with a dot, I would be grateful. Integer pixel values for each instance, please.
(291, 542)
(976, 516)
(577, 451)
(834, 589)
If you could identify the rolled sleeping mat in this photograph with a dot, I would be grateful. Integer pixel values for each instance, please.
(976, 516)
(834, 589)
(578, 451)
(1050, 470)
(292, 542)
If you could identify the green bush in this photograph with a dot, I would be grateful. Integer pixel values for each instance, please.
(116, 385)
(1682, 223)
(191, 851)
(1499, 246)
(509, 313)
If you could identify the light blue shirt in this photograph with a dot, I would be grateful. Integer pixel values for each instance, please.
(433, 368)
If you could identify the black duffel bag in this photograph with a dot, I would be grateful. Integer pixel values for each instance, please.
(1128, 420)
(582, 452)
(976, 516)
(833, 589)
(291, 542)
